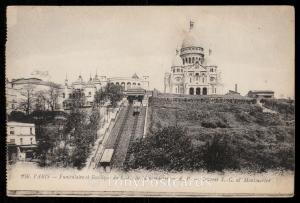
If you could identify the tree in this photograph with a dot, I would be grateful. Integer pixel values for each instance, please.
(40, 101)
(114, 93)
(100, 97)
(27, 102)
(219, 154)
(17, 116)
(46, 141)
(77, 100)
(52, 96)
(168, 148)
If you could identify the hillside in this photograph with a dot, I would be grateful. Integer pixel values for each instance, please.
(226, 133)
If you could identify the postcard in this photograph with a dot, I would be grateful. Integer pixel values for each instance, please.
(150, 101)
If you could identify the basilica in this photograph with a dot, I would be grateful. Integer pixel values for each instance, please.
(192, 70)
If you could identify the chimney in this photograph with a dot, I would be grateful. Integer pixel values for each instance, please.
(235, 89)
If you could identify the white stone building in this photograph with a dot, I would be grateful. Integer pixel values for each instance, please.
(89, 88)
(20, 140)
(192, 70)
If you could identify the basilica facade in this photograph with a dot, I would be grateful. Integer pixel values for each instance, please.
(192, 70)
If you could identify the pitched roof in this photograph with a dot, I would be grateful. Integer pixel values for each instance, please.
(135, 76)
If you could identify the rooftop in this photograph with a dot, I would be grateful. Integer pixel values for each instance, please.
(13, 123)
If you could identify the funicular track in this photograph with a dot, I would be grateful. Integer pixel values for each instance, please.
(117, 131)
(123, 141)
(137, 132)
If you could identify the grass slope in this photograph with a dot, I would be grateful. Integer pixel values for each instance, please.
(220, 136)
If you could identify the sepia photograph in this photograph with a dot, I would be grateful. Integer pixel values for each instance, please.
(150, 101)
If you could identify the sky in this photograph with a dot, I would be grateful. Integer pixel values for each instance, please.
(252, 46)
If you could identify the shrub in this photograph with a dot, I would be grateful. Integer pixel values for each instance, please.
(217, 123)
(168, 148)
(282, 106)
(220, 154)
(18, 116)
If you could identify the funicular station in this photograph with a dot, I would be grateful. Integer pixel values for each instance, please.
(129, 126)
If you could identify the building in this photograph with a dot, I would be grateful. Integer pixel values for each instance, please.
(193, 71)
(235, 92)
(261, 94)
(11, 97)
(21, 141)
(40, 91)
(88, 88)
(131, 82)
(23, 90)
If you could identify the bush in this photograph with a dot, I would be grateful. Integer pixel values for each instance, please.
(219, 154)
(282, 106)
(214, 124)
(18, 116)
(168, 148)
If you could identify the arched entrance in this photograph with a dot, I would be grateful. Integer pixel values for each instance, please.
(128, 85)
(191, 91)
(204, 91)
(198, 91)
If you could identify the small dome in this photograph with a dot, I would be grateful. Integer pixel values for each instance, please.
(79, 80)
(177, 61)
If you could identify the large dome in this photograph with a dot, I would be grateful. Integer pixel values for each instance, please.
(191, 40)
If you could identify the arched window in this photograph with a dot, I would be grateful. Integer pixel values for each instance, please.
(198, 91)
(117, 83)
(134, 84)
(190, 60)
(90, 93)
(139, 84)
(193, 60)
(64, 95)
(178, 70)
(183, 61)
(190, 79)
(204, 91)
(203, 79)
(191, 91)
(174, 70)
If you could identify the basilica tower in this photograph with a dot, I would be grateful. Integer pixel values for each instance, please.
(192, 72)
(191, 50)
